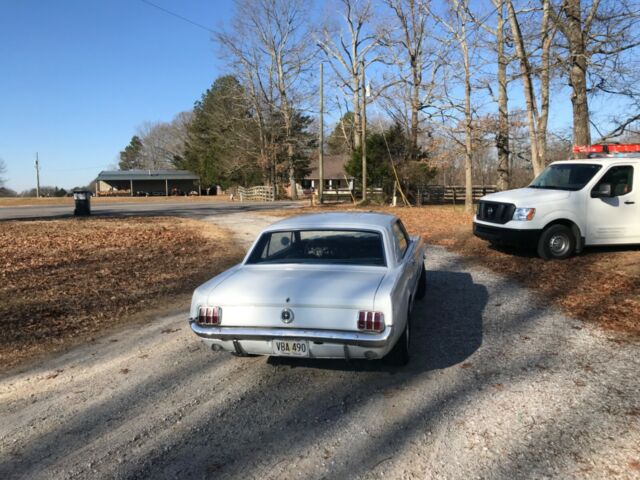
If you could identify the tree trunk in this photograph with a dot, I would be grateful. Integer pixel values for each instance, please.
(415, 106)
(546, 33)
(468, 121)
(357, 131)
(527, 83)
(292, 178)
(502, 137)
(577, 73)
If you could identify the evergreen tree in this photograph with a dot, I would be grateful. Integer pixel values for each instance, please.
(131, 156)
(340, 141)
(384, 148)
(220, 139)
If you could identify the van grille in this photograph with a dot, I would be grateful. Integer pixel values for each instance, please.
(495, 212)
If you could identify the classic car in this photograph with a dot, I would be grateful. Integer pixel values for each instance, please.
(329, 285)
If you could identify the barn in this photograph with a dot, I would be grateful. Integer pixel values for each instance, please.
(146, 183)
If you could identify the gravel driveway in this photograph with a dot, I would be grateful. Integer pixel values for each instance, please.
(500, 386)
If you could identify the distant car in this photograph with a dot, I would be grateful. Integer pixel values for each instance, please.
(333, 285)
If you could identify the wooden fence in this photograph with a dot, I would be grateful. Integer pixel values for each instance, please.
(440, 194)
(261, 193)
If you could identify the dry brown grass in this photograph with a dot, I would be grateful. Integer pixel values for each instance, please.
(64, 281)
(600, 286)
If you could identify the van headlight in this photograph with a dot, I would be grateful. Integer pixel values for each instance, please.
(524, 214)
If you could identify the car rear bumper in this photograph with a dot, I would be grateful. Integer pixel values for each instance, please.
(367, 340)
(508, 236)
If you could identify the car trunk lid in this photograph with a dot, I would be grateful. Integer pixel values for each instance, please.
(322, 297)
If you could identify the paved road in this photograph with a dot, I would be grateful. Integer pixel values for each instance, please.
(500, 386)
(195, 209)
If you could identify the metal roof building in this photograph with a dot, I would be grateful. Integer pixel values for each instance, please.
(146, 182)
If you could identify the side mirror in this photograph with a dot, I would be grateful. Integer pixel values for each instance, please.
(601, 191)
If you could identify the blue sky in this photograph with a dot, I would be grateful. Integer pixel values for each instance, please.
(78, 76)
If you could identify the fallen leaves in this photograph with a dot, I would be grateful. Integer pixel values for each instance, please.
(62, 281)
(600, 286)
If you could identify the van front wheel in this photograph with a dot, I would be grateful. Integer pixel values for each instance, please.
(556, 243)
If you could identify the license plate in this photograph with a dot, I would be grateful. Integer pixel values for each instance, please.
(291, 348)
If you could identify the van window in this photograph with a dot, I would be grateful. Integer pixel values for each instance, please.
(565, 176)
(620, 178)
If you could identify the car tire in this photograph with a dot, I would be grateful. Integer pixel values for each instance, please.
(557, 242)
(399, 354)
(422, 285)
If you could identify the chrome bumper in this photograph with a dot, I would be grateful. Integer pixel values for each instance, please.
(371, 340)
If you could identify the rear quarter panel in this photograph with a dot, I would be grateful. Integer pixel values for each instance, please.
(397, 290)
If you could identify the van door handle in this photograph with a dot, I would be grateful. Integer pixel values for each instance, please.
(629, 203)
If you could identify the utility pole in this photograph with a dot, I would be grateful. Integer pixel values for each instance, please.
(37, 176)
(364, 136)
(321, 140)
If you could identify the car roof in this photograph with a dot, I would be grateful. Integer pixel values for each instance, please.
(602, 160)
(349, 220)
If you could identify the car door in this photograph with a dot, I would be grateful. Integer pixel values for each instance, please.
(615, 219)
(404, 257)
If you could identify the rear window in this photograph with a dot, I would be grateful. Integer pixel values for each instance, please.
(348, 247)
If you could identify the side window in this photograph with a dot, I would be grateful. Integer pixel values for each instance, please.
(402, 239)
(620, 178)
(279, 241)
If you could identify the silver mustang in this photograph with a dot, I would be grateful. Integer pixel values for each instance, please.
(331, 285)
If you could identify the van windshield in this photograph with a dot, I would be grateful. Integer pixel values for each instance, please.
(566, 176)
(352, 247)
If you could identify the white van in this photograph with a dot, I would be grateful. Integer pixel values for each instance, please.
(571, 204)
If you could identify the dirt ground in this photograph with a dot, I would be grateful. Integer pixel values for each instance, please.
(501, 386)
(63, 281)
(602, 285)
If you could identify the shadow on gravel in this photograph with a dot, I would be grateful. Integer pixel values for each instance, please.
(443, 333)
(283, 418)
(300, 402)
(285, 407)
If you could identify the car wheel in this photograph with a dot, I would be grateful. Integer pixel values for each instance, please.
(422, 285)
(399, 354)
(556, 243)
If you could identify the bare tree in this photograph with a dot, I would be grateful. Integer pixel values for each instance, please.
(596, 37)
(460, 27)
(347, 50)
(271, 39)
(162, 142)
(498, 41)
(415, 59)
(537, 117)
(502, 135)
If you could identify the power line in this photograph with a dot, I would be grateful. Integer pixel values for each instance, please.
(57, 170)
(184, 19)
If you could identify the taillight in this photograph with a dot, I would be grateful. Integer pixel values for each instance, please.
(370, 321)
(209, 315)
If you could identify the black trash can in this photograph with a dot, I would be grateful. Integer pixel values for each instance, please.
(83, 202)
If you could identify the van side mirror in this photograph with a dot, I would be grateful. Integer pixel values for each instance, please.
(601, 191)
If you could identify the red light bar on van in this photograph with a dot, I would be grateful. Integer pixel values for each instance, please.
(588, 149)
(625, 148)
(613, 148)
